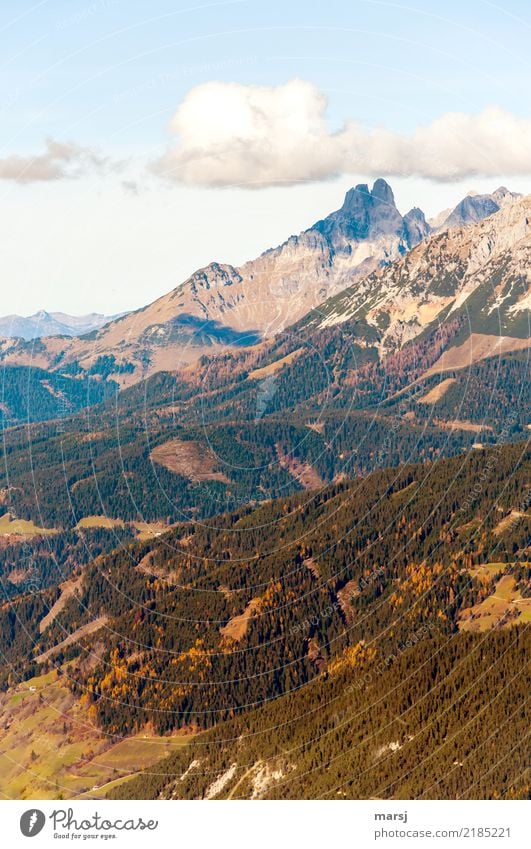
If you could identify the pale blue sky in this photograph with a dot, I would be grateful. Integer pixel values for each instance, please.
(110, 74)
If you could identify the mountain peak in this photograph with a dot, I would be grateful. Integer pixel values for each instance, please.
(356, 199)
(371, 216)
(361, 197)
(474, 207)
(503, 195)
(383, 192)
(416, 226)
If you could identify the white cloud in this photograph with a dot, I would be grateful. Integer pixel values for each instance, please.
(59, 161)
(257, 136)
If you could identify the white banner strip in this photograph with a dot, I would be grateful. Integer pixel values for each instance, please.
(267, 825)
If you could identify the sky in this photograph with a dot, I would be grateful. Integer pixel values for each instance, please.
(143, 140)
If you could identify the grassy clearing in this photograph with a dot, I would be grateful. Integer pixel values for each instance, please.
(304, 473)
(236, 628)
(189, 459)
(145, 530)
(488, 571)
(406, 490)
(49, 747)
(437, 392)
(99, 792)
(458, 424)
(509, 522)
(68, 589)
(272, 368)
(22, 527)
(83, 631)
(99, 522)
(148, 530)
(504, 606)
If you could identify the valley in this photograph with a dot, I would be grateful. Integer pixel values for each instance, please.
(331, 629)
(238, 519)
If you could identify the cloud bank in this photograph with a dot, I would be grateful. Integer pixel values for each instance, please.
(258, 136)
(59, 161)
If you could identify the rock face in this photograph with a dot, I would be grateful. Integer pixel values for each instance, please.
(481, 271)
(365, 215)
(372, 217)
(471, 209)
(417, 228)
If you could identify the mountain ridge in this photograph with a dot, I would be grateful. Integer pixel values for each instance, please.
(351, 253)
(43, 323)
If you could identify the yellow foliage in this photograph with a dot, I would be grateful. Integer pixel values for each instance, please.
(353, 657)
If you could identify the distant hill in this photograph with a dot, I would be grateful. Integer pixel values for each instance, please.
(44, 323)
